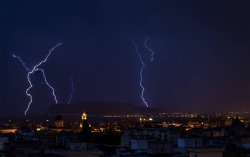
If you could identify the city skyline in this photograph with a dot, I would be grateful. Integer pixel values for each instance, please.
(201, 53)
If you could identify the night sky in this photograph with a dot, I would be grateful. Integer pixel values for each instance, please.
(201, 63)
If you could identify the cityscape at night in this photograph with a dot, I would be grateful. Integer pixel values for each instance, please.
(125, 78)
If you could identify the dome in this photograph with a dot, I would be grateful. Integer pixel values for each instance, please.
(237, 123)
(58, 117)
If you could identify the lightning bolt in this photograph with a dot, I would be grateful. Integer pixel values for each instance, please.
(72, 87)
(150, 50)
(46, 82)
(35, 69)
(141, 71)
(23, 63)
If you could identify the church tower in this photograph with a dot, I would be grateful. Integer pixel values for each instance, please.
(86, 130)
(84, 116)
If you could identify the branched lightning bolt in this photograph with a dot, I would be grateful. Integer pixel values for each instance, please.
(141, 71)
(72, 87)
(150, 50)
(35, 69)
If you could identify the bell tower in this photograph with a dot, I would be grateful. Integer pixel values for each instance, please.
(86, 129)
(84, 116)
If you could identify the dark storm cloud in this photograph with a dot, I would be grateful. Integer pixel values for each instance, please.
(201, 61)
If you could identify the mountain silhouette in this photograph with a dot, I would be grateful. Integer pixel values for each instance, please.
(98, 107)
